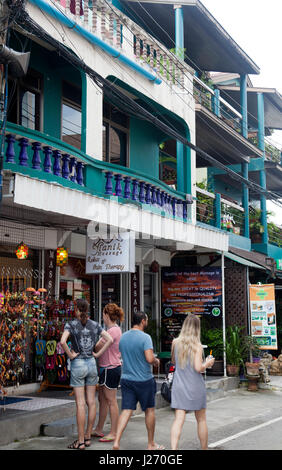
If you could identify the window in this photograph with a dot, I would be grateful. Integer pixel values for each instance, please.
(168, 163)
(115, 136)
(71, 115)
(25, 98)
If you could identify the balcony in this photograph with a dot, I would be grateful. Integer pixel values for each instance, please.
(129, 42)
(212, 209)
(34, 154)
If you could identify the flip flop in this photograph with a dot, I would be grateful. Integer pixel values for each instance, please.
(159, 447)
(96, 434)
(107, 439)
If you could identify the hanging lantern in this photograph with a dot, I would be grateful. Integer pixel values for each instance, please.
(62, 256)
(22, 251)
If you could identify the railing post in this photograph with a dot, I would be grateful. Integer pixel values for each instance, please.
(10, 151)
(47, 165)
(244, 105)
(36, 161)
(217, 207)
(23, 157)
(216, 102)
(66, 167)
(109, 183)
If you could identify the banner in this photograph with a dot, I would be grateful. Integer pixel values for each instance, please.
(197, 291)
(107, 256)
(263, 315)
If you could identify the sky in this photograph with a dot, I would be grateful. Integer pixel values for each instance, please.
(256, 27)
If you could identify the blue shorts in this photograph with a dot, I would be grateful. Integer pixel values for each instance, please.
(132, 392)
(83, 372)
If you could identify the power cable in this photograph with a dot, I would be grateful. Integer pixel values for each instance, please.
(134, 107)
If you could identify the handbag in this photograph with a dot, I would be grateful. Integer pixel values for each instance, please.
(167, 384)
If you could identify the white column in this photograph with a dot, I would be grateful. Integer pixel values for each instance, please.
(94, 120)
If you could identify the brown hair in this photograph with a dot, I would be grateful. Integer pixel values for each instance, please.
(114, 311)
(83, 307)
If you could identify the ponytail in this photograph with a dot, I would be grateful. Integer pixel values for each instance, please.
(83, 307)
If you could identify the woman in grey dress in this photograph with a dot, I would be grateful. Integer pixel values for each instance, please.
(188, 388)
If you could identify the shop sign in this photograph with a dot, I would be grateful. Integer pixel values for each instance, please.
(50, 272)
(263, 315)
(113, 255)
(279, 264)
(135, 292)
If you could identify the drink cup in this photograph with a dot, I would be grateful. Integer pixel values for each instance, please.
(210, 356)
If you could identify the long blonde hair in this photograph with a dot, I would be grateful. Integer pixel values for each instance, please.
(188, 340)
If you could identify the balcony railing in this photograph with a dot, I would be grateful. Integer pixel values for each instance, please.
(214, 210)
(118, 30)
(36, 155)
(211, 99)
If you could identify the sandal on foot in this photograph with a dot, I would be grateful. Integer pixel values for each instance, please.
(76, 445)
(97, 434)
(106, 439)
(87, 441)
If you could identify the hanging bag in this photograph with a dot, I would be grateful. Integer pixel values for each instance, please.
(167, 384)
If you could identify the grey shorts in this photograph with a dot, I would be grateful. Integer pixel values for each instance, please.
(83, 372)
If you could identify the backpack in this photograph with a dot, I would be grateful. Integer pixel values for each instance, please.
(167, 384)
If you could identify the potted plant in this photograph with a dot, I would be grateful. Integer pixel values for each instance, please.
(234, 349)
(213, 338)
(256, 227)
(204, 204)
(251, 365)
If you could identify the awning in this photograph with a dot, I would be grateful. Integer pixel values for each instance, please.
(243, 261)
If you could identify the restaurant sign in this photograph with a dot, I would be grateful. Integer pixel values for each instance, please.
(112, 255)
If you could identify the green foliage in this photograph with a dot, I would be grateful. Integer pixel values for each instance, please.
(213, 338)
(235, 347)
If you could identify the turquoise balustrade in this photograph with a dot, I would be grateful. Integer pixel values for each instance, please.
(37, 155)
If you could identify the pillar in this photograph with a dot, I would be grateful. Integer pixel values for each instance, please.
(262, 178)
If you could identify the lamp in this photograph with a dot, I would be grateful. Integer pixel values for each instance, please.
(62, 256)
(22, 251)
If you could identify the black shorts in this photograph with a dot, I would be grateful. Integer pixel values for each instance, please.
(110, 377)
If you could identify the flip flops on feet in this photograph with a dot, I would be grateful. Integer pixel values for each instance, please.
(107, 439)
(77, 445)
(97, 434)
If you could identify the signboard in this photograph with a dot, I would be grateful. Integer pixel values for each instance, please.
(50, 273)
(114, 255)
(279, 264)
(263, 315)
(135, 292)
(197, 291)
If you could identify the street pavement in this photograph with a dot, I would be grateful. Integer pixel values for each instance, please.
(241, 420)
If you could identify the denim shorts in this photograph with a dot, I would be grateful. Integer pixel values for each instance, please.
(132, 392)
(83, 372)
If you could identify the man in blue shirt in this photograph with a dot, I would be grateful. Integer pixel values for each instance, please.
(137, 381)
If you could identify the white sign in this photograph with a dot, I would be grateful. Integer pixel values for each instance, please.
(115, 255)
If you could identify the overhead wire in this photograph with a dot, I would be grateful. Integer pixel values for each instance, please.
(137, 109)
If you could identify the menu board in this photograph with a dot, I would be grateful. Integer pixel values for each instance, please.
(263, 315)
(197, 291)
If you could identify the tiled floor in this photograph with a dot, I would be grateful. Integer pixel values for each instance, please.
(35, 403)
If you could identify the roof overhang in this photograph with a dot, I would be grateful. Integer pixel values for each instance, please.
(208, 45)
(272, 104)
(217, 138)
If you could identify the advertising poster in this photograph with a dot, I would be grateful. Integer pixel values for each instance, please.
(197, 291)
(263, 315)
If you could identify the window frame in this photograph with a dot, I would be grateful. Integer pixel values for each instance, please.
(109, 124)
(71, 104)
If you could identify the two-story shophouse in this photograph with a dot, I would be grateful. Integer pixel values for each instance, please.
(110, 129)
